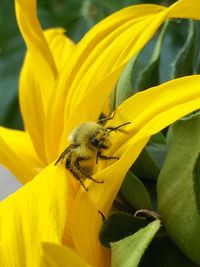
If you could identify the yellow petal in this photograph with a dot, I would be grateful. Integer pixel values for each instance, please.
(103, 74)
(35, 213)
(32, 106)
(61, 46)
(168, 101)
(60, 256)
(153, 110)
(18, 155)
(96, 65)
(105, 58)
(40, 54)
(32, 101)
(186, 9)
(62, 49)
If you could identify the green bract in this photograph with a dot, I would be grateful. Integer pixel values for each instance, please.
(128, 251)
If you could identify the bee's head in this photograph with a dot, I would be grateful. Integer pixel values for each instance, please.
(100, 139)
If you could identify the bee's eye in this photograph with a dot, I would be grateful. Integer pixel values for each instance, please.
(95, 142)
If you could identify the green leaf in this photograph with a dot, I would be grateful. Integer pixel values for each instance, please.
(158, 138)
(176, 194)
(150, 186)
(125, 88)
(185, 60)
(150, 75)
(158, 153)
(151, 159)
(134, 192)
(128, 251)
(118, 226)
(145, 167)
(126, 85)
(162, 252)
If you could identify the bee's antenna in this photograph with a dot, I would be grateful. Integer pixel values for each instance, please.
(111, 129)
(104, 120)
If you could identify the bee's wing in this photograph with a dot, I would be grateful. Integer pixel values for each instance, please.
(65, 153)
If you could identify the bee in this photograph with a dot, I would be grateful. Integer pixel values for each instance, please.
(88, 141)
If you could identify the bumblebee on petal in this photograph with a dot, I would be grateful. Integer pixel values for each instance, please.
(88, 141)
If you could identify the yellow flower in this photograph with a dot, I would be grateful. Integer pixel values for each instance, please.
(62, 85)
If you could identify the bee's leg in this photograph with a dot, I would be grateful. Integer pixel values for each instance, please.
(62, 156)
(106, 157)
(83, 185)
(84, 172)
(96, 181)
(78, 175)
(81, 182)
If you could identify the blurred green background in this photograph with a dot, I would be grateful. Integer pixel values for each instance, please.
(77, 16)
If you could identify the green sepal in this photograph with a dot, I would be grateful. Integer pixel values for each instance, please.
(118, 226)
(150, 76)
(177, 201)
(128, 251)
(134, 192)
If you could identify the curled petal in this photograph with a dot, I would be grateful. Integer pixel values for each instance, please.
(60, 45)
(96, 64)
(32, 106)
(40, 54)
(143, 27)
(33, 102)
(106, 69)
(62, 49)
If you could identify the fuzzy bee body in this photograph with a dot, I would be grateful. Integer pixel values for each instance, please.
(88, 142)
